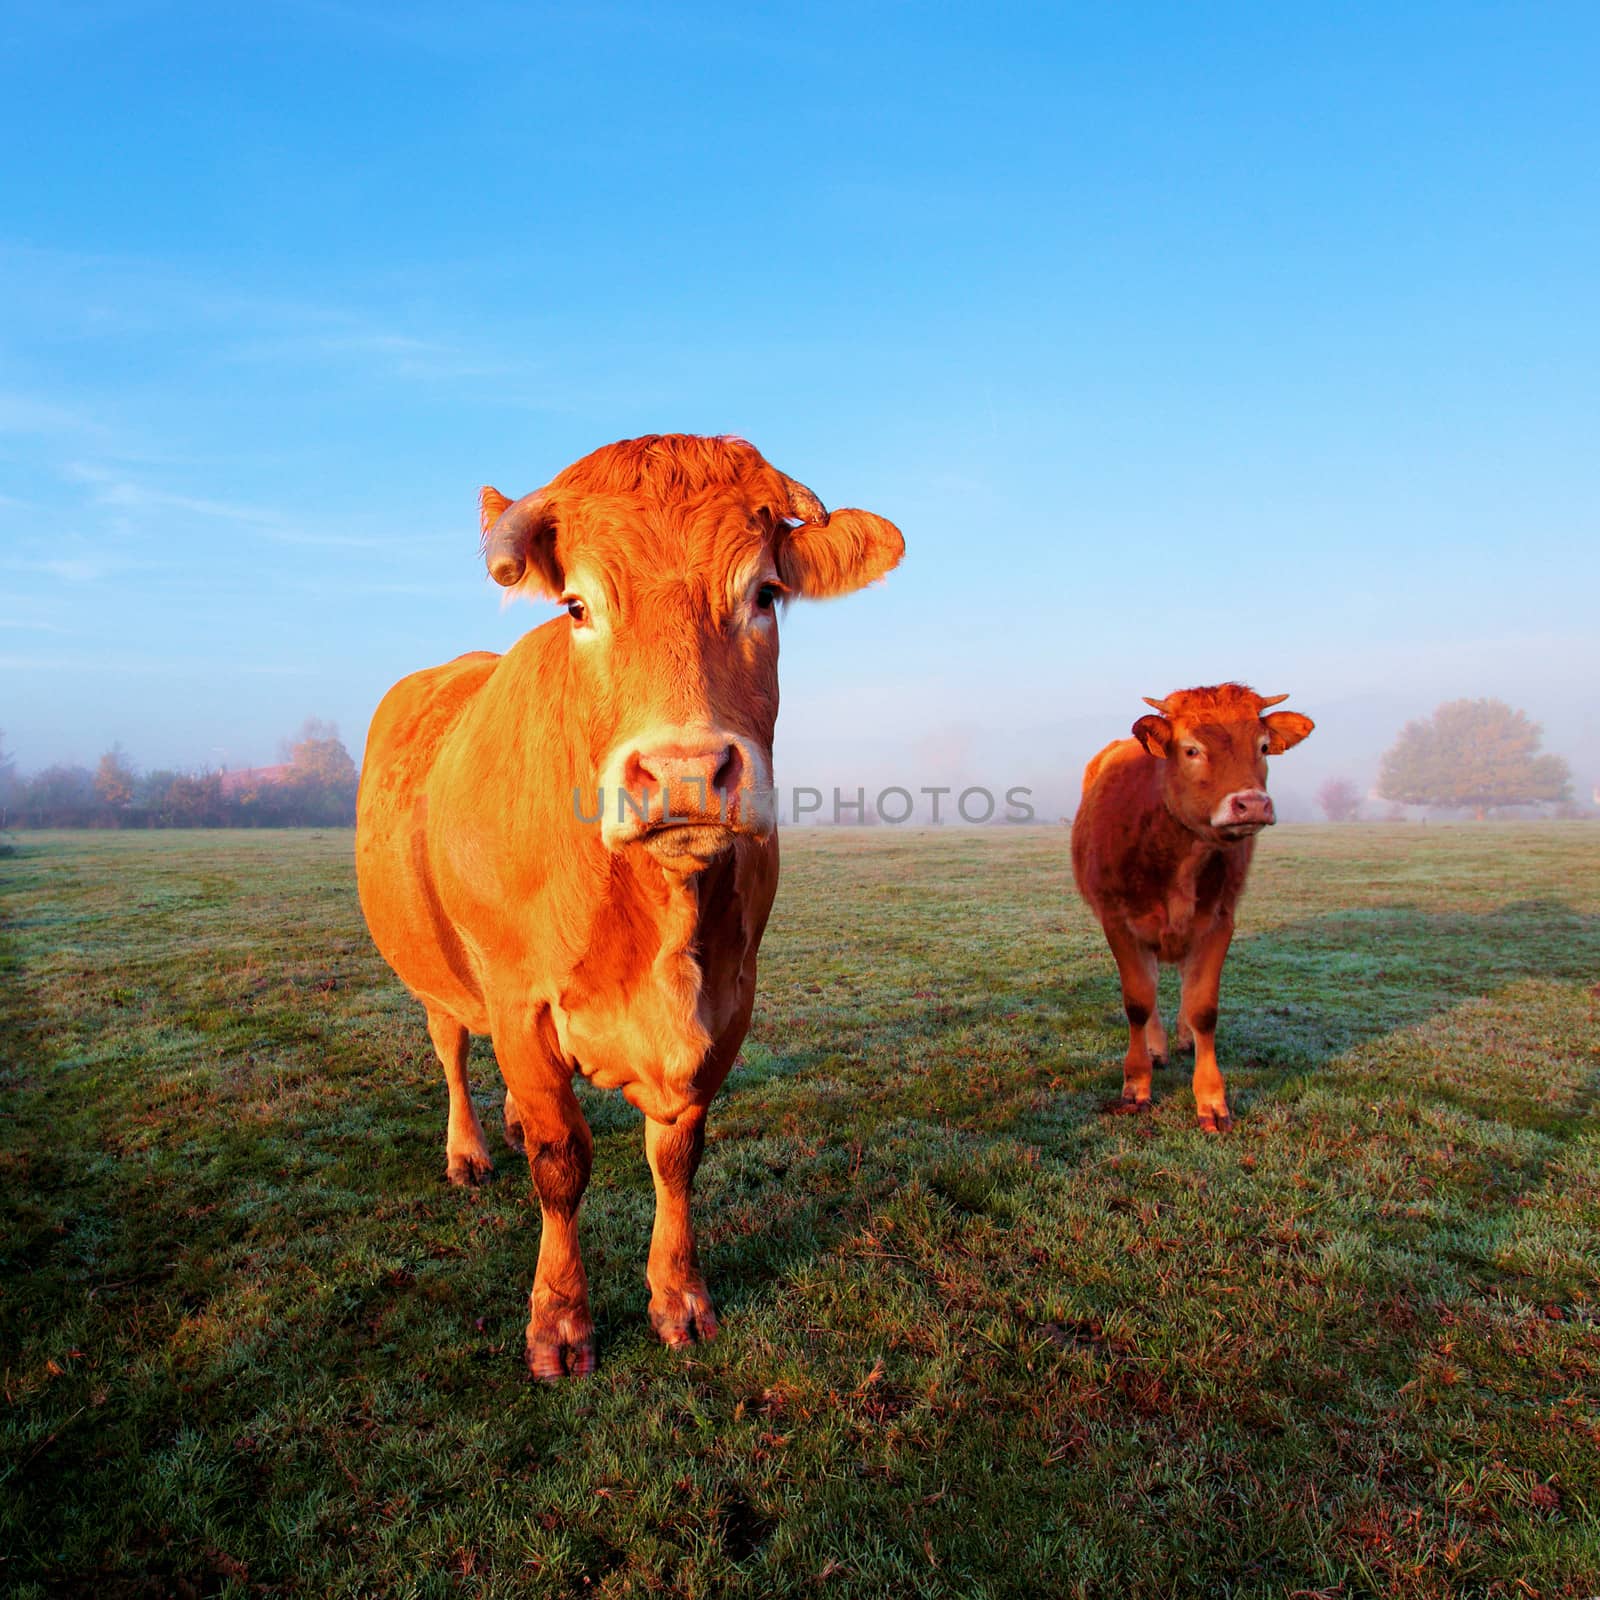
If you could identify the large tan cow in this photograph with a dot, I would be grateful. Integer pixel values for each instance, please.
(572, 848)
(1160, 848)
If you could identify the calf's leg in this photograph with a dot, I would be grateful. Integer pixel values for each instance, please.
(1202, 983)
(1138, 970)
(680, 1304)
(466, 1156)
(1155, 1035)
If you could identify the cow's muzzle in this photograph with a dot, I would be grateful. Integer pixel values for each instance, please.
(1243, 813)
(684, 793)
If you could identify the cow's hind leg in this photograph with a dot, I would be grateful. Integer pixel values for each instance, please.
(1155, 1036)
(1137, 968)
(512, 1119)
(680, 1304)
(467, 1159)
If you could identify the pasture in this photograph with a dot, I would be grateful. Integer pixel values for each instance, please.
(980, 1336)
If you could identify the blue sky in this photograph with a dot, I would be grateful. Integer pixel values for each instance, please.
(1183, 342)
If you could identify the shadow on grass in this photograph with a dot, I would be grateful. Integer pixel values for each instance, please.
(1298, 998)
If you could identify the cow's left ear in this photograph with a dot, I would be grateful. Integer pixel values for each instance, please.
(1285, 729)
(1155, 734)
(842, 552)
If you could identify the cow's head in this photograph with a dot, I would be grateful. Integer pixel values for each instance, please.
(1215, 743)
(672, 555)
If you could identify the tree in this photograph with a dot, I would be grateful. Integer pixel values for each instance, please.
(321, 778)
(1475, 753)
(8, 780)
(1340, 800)
(61, 796)
(114, 781)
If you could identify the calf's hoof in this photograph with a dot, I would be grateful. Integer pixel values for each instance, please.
(467, 1169)
(560, 1346)
(1214, 1121)
(682, 1317)
(1157, 1063)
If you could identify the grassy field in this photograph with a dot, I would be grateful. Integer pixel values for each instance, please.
(980, 1336)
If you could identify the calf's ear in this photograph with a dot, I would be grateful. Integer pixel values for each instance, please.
(842, 552)
(519, 543)
(1155, 734)
(1285, 729)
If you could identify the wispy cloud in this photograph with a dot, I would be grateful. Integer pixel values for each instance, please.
(113, 489)
(32, 414)
(70, 569)
(119, 492)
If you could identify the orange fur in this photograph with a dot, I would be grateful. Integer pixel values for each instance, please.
(1157, 859)
(625, 953)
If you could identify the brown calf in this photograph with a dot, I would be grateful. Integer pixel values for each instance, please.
(568, 847)
(1160, 848)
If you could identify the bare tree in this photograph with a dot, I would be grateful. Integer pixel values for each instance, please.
(1340, 800)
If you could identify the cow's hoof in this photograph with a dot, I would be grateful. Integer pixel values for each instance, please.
(466, 1170)
(1157, 1063)
(683, 1317)
(1214, 1121)
(563, 1348)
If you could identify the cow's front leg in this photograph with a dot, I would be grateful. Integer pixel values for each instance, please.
(1202, 984)
(560, 1150)
(1136, 965)
(680, 1304)
(467, 1160)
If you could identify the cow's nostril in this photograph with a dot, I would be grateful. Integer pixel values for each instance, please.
(729, 768)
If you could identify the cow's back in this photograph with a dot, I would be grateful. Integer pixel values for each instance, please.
(393, 875)
(1120, 788)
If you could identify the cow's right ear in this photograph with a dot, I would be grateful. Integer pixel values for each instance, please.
(1155, 734)
(519, 543)
(842, 552)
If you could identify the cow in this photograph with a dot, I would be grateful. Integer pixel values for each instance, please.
(572, 847)
(1161, 846)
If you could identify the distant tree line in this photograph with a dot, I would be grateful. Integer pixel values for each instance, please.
(314, 786)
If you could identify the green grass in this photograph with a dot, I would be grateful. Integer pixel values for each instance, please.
(979, 1335)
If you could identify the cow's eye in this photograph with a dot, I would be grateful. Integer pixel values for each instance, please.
(576, 609)
(1266, 744)
(1192, 751)
(767, 596)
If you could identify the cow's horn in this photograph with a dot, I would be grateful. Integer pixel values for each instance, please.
(1160, 705)
(1271, 700)
(802, 503)
(505, 541)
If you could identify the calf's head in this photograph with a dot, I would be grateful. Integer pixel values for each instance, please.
(672, 554)
(1215, 743)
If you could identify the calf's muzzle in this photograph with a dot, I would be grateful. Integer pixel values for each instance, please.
(1244, 809)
